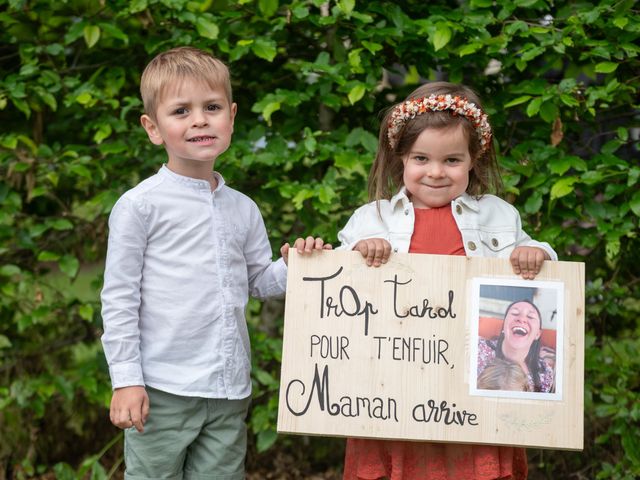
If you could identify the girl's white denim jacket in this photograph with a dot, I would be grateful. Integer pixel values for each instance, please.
(490, 227)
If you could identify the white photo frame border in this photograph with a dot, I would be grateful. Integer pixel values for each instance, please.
(559, 288)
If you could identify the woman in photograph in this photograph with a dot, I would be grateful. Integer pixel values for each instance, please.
(519, 342)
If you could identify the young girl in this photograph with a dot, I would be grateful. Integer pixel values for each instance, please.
(428, 186)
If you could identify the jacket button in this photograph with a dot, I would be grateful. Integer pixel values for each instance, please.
(458, 209)
(494, 242)
(406, 212)
(472, 246)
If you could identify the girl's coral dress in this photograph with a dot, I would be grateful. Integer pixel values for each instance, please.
(435, 232)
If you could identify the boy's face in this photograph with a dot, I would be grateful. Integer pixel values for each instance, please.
(194, 122)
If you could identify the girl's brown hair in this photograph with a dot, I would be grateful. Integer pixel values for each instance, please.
(385, 177)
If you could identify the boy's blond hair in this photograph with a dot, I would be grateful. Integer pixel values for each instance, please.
(178, 64)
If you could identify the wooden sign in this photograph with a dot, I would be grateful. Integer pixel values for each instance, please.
(412, 350)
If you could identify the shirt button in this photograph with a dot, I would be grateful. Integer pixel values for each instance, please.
(395, 249)
(406, 212)
(472, 246)
(494, 242)
(458, 209)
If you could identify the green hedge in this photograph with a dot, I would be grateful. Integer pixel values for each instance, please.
(559, 79)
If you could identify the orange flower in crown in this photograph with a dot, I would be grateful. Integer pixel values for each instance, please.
(409, 109)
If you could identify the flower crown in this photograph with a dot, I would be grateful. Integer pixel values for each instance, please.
(409, 109)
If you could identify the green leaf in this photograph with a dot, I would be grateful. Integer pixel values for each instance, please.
(111, 30)
(84, 98)
(46, 256)
(91, 35)
(268, 110)
(620, 22)
(569, 100)
(264, 377)
(563, 187)
(61, 224)
(9, 270)
(104, 131)
(268, 7)
(264, 48)
(4, 342)
(534, 106)
(266, 439)
(634, 203)
(606, 67)
(346, 6)
(441, 37)
(300, 12)
(69, 265)
(63, 471)
(549, 111)
(356, 93)
(207, 28)
(517, 101)
(373, 47)
(86, 312)
(469, 48)
(623, 133)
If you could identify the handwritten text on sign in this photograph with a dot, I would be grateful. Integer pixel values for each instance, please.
(384, 353)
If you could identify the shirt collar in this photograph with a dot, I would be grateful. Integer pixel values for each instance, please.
(465, 199)
(193, 183)
(401, 196)
(468, 201)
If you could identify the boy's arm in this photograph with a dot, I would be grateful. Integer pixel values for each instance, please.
(121, 294)
(266, 277)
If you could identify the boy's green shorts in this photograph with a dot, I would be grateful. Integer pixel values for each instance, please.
(188, 438)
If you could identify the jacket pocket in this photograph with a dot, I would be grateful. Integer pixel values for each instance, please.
(498, 241)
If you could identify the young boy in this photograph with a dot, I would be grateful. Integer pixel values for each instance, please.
(184, 253)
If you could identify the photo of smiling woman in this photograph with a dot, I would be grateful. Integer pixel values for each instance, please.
(516, 343)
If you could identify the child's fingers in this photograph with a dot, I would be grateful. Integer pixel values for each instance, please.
(380, 255)
(309, 244)
(386, 252)
(145, 408)
(363, 247)
(299, 244)
(371, 251)
(121, 418)
(136, 420)
(527, 261)
(515, 261)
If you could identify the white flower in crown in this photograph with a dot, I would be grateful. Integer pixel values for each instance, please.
(409, 109)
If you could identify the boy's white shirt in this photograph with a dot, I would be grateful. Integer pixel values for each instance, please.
(490, 227)
(181, 263)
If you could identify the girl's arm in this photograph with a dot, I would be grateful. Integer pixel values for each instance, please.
(368, 234)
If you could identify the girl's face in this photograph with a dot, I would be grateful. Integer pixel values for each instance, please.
(521, 326)
(436, 168)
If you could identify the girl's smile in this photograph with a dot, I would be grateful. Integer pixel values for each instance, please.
(436, 169)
